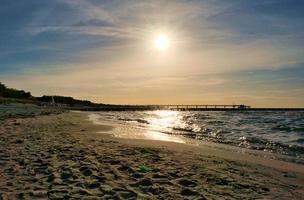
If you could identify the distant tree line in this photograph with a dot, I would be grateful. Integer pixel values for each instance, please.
(66, 100)
(20, 94)
(13, 93)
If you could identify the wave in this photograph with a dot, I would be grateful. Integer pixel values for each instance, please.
(288, 128)
(301, 141)
(279, 132)
(142, 121)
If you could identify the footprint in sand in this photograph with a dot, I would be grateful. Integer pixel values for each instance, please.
(86, 171)
(187, 183)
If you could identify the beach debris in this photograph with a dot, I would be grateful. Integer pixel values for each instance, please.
(143, 168)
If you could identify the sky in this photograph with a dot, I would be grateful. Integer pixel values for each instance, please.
(220, 52)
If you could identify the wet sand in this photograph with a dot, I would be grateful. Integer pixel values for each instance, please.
(60, 156)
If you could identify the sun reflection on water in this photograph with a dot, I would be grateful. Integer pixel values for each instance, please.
(163, 119)
(160, 123)
(151, 125)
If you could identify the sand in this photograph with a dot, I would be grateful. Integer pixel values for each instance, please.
(60, 156)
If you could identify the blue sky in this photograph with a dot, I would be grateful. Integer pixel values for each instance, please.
(221, 51)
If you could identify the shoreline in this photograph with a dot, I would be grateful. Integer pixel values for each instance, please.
(204, 147)
(62, 156)
(138, 136)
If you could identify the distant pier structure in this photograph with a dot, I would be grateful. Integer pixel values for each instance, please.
(167, 107)
(200, 107)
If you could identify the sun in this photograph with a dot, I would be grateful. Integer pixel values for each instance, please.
(161, 42)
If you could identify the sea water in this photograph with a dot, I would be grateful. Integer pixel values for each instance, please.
(280, 132)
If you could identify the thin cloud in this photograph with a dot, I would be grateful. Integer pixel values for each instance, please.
(62, 44)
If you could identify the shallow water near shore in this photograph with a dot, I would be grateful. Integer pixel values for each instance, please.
(280, 132)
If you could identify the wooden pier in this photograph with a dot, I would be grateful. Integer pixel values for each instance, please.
(199, 107)
(165, 107)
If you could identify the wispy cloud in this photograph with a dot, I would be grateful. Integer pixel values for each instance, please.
(107, 45)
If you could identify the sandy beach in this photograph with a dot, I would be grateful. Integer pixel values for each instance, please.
(61, 156)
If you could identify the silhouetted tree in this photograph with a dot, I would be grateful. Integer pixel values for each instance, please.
(13, 93)
(21, 94)
(66, 100)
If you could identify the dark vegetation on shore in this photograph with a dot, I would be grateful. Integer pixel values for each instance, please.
(10, 95)
(13, 93)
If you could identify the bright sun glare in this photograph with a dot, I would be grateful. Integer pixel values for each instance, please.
(162, 42)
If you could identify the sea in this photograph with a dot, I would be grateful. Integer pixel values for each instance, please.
(278, 132)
